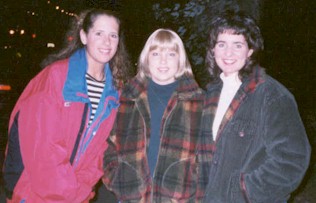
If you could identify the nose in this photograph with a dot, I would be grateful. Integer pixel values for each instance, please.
(106, 40)
(163, 58)
(229, 51)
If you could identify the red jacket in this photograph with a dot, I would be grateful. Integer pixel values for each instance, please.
(44, 127)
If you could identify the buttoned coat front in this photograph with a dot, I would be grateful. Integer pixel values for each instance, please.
(261, 150)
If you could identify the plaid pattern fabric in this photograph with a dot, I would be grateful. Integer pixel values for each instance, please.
(181, 172)
(214, 91)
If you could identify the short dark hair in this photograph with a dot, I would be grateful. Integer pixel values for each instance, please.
(240, 24)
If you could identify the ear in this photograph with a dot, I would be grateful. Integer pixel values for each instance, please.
(83, 37)
(250, 52)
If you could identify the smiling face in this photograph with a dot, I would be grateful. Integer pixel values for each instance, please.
(163, 65)
(101, 41)
(231, 52)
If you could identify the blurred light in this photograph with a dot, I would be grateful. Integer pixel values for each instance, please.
(33, 36)
(18, 54)
(57, 7)
(5, 87)
(48, 2)
(11, 32)
(70, 38)
(62, 10)
(22, 32)
(50, 44)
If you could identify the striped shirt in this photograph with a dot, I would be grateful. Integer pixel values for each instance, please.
(95, 89)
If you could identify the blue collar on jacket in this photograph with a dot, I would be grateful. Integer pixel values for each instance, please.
(75, 88)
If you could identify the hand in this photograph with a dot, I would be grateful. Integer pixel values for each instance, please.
(91, 196)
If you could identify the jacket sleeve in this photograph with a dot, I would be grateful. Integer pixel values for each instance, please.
(288, 154)
(110, 161)
(45, 155)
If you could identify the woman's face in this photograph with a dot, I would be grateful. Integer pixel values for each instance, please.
(101, 41)
(231, 52)
(163, 65)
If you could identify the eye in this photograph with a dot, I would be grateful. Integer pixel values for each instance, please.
(220, 45)
(172, 54)
(154, 53)
(238, 46)
(115, 36)
(98, 33)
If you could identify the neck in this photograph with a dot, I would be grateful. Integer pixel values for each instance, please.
(97, 73)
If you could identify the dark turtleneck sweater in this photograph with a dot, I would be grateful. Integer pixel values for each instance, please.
(158, 98)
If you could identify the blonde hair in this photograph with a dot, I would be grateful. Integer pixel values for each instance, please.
(164, 39)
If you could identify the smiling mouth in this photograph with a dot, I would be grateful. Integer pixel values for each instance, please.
(163, 69)
(105, 51)
(229, 61)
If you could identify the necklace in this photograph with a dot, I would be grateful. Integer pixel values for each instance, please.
(102, 79)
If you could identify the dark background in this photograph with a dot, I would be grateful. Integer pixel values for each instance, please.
(288, 27)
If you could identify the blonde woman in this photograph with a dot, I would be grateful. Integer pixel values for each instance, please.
(154, 152)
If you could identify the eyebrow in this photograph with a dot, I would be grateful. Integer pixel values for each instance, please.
(102, 30)
(236, 42)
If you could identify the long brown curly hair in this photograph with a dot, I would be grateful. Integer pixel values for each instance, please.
(120, 63)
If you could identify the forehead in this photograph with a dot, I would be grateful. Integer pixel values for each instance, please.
(163, 48)
(106, 23)
(230, 37)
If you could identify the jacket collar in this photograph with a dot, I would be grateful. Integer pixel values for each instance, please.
(249, 84)
(75, 88)
(187, 88)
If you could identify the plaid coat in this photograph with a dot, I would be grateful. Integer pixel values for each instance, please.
(183, 161)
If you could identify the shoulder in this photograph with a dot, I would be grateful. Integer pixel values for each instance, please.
(274, 90)
(188, 86)
(49, 81)
(58, 67)
(54, 73)
(264, 87)
(134, 88)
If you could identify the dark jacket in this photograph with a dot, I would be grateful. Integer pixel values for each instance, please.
(182, 166)
(262, 151)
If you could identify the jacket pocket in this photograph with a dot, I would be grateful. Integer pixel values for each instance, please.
(128, 183)
(234, 189)
(180, 179)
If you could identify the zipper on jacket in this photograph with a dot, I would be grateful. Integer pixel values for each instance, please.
(82, 126)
